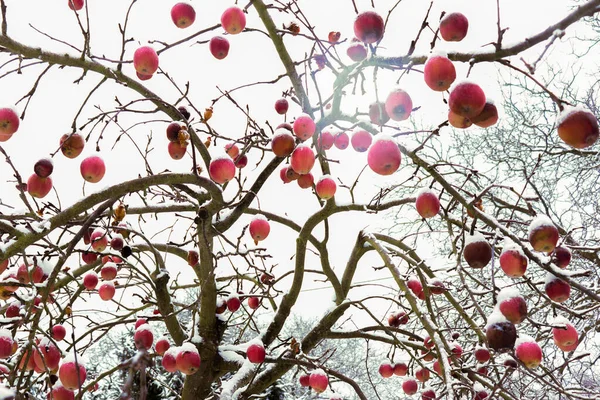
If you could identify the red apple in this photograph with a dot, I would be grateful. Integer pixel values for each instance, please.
(512, 260)
(93, 169)
(9, 123)
(369, 27)
(233, 20)
(145, 60)
(43, 168)
(487, 117)
(386, 369)
(557, 289)
(397, 318)
(410, 386)
(71, 145)
(75, 4)
(259, 228)
(256, 353)
(427, 203)
(283, 174)
(72, 374)
(162, 345)
(467, 99)
(219, 47)
(90, 280)
(414, 284)
(233, 303)
(183, 15)
(283, 143)
(241, 161)
(117, 242)
(477, 252)
(304, 127)
(302, 159)
(501, 334)
(377, 113)
(512, 305)
(221, 169)
(6, 344)
(561, 256)
(439, 73)
(173, 130)
(325, 140)
(188, 359)
(253, 302)
(39, 187)
(192, 258)
(89, 257)
(577, 127)
(46, 356)
(176, 150)
(304, 380)
(528, 351)
(341, 140)
(436, 286)
(326, 187)
(458, 121)
(482, 354)
(400, 369)
(232, 150)
(384, 155)
(169, 359)
(565, 335)
(454, 27)
(428, 394)
(318, 381)
(422, 374)
(58, 332)
(99, 239)
(140, 322)
(143, 337)
(543, 235)
(361, 140)
(106, 291)
(398, 105)
(59, 392)
(306, 181)
(281, 106)
(108, 272)
(356, 51)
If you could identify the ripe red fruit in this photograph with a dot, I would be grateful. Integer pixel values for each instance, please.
(183, 15)
(304, 380)
(410, 386)
(75, 4)
(454, 27)
(259, 228)
(71, 145)
(302, 159)
(140, 322)
(173, 131)
(72, 374)
(162, 345)
(477, 252)
(428, 394)
(188, 359)
(143, 337)
(513, 261)
(565, 335)
(577, 127)
(106, 291)
(304, 127)
(192, 258)
(109, 271)
(528, 351)
(221, 170)
(557, 289)
(333, 37)
(241, 161)
(59, 392)
(58, 332)
(233, 20)
(43, 168)
(414, 284)
(543, 235)
(46, 356)
(93, 169)
(99, 239)
(467, 99)
(487, 117)
(400, 369)
(361, 140)
(422, 374)
(117, 242)
(512, 305)
(13, 310)
(306, 181)
(281, 106)
(219, 47)
(169, 359)
(326, 187)
(9, 123)
(369, 27)
(325, 140)
(386, 369)
(398, 105)
(482, 354)
(256, 353)
(501, 334)
(356, 51)
(377, 114)
(439, 73)
(232, 150)
(318, 381)
(283, 143)
(88, 257)
(6, 344)
(253, 302)
(397, 318)
(458, 121)
(436, 286)
(283, 174)
(561, 256)
(341, 140)
(39, 187)
(384, 155)
(427, 203)
(233, 304)
(176, 150)
(145, 60)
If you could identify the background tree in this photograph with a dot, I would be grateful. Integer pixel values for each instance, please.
(184, 276)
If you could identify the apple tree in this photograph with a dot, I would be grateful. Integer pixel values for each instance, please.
(182, 182)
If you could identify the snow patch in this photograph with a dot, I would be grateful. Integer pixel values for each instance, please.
(70, 357)
(538, 222)
(475, 237)
(524, 339)
(495, 318)
(508, 293)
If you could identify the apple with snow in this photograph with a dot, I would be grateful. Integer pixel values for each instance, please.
(369, 27)
(477, 252)
(454, 27)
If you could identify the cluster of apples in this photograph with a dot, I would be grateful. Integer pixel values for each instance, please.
(184, 358)
(317, 380)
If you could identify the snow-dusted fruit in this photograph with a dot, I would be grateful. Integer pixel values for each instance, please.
(369, 27)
